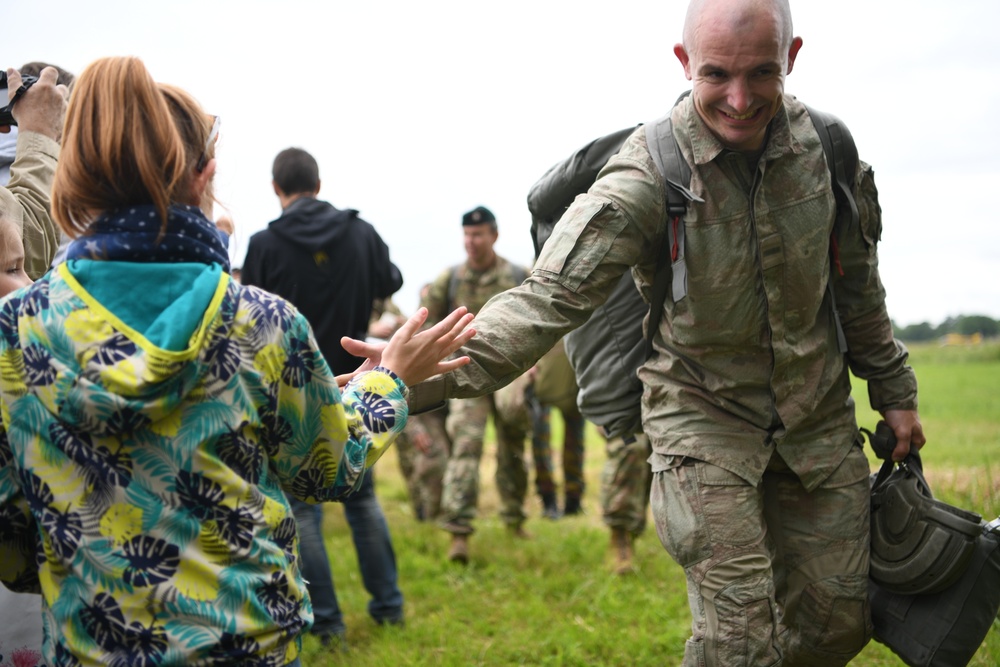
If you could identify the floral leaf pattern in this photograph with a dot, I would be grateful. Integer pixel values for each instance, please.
(380, 414)
(114, 350)
(150, 561)
(199, 494)
(104, 622)
(242, 454)
(159, 480)
(38, 365)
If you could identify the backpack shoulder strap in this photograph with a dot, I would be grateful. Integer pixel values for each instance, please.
(671, 269)
(842, 159)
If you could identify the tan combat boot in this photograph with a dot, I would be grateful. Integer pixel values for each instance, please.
(459, 551)
(621, 551)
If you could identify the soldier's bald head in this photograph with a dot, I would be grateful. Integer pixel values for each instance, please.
(738, 16)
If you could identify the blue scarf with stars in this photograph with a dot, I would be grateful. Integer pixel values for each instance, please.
(133, 234)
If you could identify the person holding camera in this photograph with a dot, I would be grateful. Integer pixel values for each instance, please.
(37, 108)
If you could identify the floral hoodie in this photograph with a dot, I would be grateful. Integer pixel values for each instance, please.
(154, 417)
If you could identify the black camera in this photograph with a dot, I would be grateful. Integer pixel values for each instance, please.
(6, 117)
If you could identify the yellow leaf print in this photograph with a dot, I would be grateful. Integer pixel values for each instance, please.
(121, 522)
(64, 481)
(273, 512)
(334, 422)
(12, 373)
(212, 545)
(197, 580)
(49, 575)
(270, 361)
(170, 425)
(379, 383)
(125, 377)
(87, 328)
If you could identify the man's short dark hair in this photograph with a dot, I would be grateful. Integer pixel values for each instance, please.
(295, 171)
(35, 67)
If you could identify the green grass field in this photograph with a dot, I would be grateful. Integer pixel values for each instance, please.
(551, 601)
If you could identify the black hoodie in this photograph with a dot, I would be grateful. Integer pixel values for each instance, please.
(331, 265)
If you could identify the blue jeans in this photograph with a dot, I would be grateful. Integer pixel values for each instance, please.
(375, 557)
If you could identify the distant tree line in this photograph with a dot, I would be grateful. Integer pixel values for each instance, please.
(965, 325)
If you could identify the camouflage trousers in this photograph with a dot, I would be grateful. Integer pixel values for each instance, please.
(466, 426)
(424, 470)
(572, 454)
(625, 482)
(776, 575)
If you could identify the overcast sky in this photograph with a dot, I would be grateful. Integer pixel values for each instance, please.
(420, 111)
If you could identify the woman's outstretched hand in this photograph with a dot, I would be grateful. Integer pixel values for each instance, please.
(415, 355)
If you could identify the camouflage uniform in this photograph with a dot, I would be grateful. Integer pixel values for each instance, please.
(424, 471)
(625, 481)
(466, 423)
(555, 387)
(572, 457)
(746, 397)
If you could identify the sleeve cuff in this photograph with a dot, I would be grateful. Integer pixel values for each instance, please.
(427, 396)
(37, 142)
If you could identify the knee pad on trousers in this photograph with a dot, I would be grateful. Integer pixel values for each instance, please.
(833, 622)
(747, 624)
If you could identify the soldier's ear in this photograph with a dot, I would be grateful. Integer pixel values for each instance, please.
(684, 58)
(793, 51)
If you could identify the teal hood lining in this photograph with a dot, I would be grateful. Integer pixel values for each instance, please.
(164, 302)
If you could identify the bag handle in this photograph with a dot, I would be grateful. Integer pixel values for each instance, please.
(883, 442)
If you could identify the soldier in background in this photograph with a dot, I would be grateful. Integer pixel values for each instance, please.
(423, 446)
(553, 386)
(471, 284)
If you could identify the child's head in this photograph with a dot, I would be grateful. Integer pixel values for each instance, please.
(122, 145)
(199, 133)
(12, 275)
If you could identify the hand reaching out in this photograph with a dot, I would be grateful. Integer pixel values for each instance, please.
(415, 355)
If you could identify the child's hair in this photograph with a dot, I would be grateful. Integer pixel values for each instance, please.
(195, 127)
(120, 146)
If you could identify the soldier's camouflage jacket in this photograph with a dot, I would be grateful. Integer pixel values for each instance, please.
(749, 359)
(463, 286)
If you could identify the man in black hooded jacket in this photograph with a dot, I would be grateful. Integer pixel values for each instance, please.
(331, 265)
(328, 262)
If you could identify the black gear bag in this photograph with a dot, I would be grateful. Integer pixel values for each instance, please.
(934, 588)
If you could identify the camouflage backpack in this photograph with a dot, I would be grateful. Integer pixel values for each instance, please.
(553, 193)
